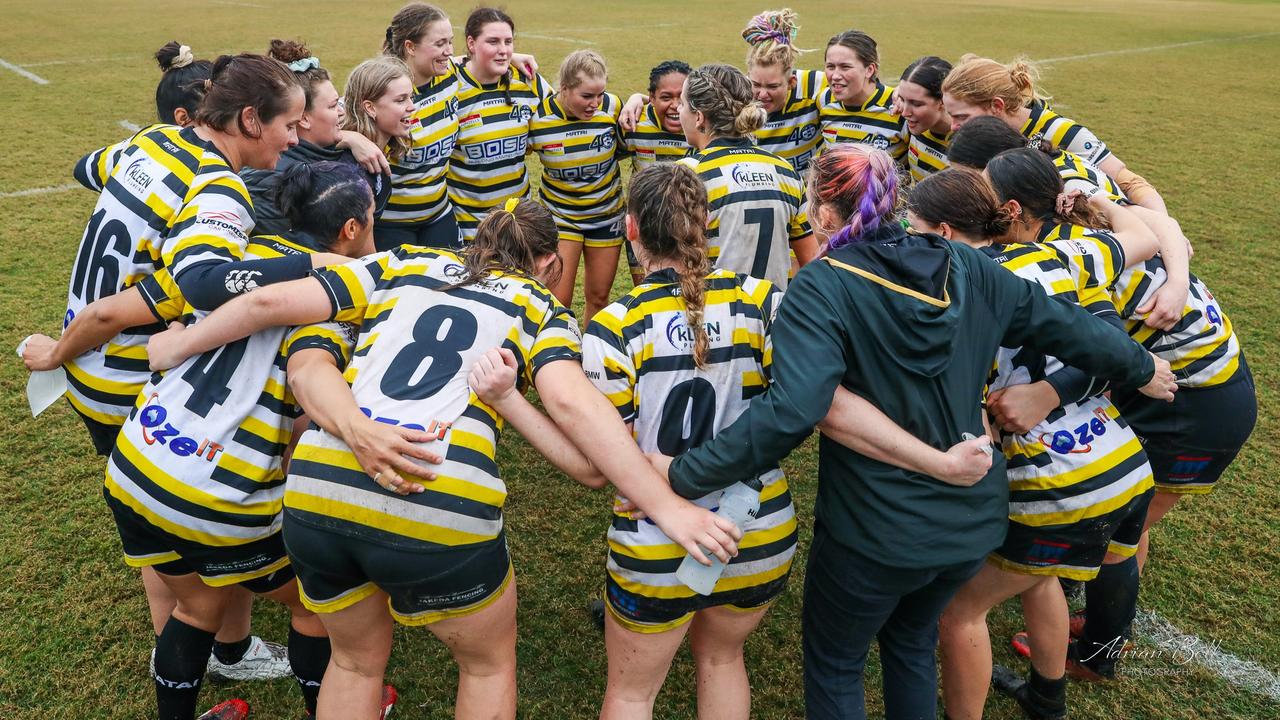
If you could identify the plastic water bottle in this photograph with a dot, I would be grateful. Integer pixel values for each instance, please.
(739, 503)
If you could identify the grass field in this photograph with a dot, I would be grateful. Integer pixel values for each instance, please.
(1184, 92)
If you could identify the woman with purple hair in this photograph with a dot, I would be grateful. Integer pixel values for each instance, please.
(911, 324)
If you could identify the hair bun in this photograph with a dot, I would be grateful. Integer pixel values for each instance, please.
(287, 51)
(173, 55)
(750, 118)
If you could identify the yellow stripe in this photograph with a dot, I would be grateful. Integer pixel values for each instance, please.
(193, 495)
(1071, 573)
(369, 517)
(1101, 508)
(342, 602)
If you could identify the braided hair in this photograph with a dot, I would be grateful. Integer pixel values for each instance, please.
(723, 95)
(858, 182)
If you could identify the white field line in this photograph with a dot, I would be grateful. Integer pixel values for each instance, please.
(129, 126)
(235, 4)
(556, 38)
(79, 61)
(24, 73)
(1153, 48)
(39, 191)
(1243, 674)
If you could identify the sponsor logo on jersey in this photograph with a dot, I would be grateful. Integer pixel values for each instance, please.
(153, 416)
(472, 120)
(137, 176)
(454, 271)
(553, 148)
(225, 220)
(745, 177)
(242, 281)
(521, 113)
(680, 335)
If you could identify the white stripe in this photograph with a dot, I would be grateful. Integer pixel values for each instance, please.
(80, 61)
(1242, 673)
(39, 191)
(129, 126)
(1027, 511)
(556, 38)
(28, 75)
(1152, 48)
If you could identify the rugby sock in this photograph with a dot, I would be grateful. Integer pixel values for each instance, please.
(1111, 602)
(308, 657)
(231, 653)
(1042, 697)
(182, 652)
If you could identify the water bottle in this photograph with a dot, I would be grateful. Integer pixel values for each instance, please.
(739, 503)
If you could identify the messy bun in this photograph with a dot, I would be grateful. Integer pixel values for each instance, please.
(182, 85)
(980, 81)
(771, 35)
(310, 74)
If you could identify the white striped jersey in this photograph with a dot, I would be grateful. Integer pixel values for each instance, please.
(488, 162)
(1202, 348)
(417, 342)
(927, 154)
(874, 123)
(795, 132)
(200, 455)
(650, 142)
(1079, 175)
(418, 190)
(1094, 258)
(580, 176)
(757, 207)
(638, 352)
(1045, 124)
(1083, 460)
(145, 187)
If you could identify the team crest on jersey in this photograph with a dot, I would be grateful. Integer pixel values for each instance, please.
(744, 177)
(137, 176)
(521, 113)
(451, 107)
(680, 335)
(878, 142)
(803, 133)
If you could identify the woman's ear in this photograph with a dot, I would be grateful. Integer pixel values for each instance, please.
(181, 117)
(369, 109)
(828, 218)
(998, 106)
(250, 123)
(305, 122)
(631, 228)
(945, 231)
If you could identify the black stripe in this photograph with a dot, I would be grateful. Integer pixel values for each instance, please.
(122, 401)
(252, 441)
(136, 206)
(376, 535)
(186, 507)
(240, 482)
(1082, 487)
(360, 481)
(746, 196)
(669, 565)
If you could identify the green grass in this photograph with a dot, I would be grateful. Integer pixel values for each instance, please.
(1198, 121)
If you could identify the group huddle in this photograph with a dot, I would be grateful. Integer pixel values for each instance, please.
(344, 299)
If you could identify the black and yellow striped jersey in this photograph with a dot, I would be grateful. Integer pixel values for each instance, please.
(757, 205)
(1045, 124)
(417, 342)
(795, 132)
(1079, 175)
(146, 186)
(874, 123)
(1094, 258)
(200, 455)
(488, 162)
(638, 353)
(650, 142)
(1202, 348)
(927, 154)
(418, 190)
(580, 175)
(1083, 461)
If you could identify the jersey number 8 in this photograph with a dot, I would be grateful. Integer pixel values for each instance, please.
(440, 336)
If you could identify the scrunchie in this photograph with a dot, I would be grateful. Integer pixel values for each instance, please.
(183, 59)
(511, 204)
(305, 64)
(1066, 202)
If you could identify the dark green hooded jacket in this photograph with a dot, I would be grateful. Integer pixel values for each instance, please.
(912, 323)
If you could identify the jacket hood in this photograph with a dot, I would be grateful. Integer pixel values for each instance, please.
(900, 286)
